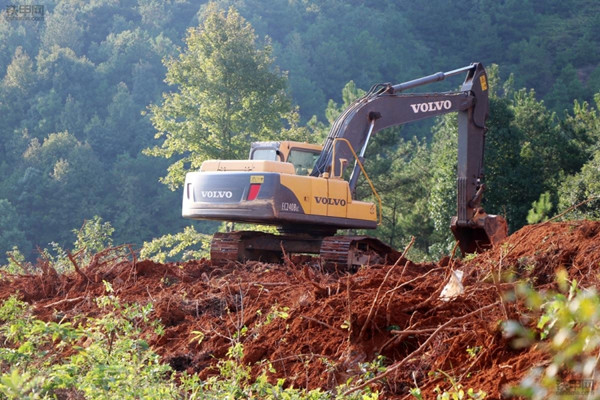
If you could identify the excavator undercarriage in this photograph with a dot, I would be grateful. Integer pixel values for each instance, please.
(337, 253)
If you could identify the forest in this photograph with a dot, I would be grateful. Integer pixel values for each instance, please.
(91, 96)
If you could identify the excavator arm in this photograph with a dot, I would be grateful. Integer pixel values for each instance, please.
(385, 106)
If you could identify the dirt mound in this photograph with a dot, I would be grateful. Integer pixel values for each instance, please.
(317, 329)
(536, 252)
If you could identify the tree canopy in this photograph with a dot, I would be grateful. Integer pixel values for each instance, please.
(229, 94)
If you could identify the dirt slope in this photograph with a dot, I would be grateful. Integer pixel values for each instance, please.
(335, 323)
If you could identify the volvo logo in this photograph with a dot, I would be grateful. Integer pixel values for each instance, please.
(216, 194)
(330, 201)
(431, 106)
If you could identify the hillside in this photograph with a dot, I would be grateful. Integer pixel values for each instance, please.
(318, 329)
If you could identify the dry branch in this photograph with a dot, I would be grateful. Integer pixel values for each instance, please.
(325, 324)
(64, 301)
(412, 280)
(11, 258)
(376, 299)
(74, 262)
(419, 350)
(572, 208)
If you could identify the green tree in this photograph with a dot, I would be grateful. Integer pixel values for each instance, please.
(303, 87)
(584, 184)
(401, 178)
(548, 151)
(583, 127)
(94, 236)
(62, 28)
(540, 209)
(122, 51)
(73, 118)
(66, 88)
(55, 171)
(580, 187)
(505, 175)
(123, 129)
(20, 74)
(228, 94)
(155, 14)
(533, 63)
(15, 89)
(444, 161)
(566, 88)
(145, 209)
(11, 234)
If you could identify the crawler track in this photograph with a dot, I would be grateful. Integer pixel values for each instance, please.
(225, 247)
(351, 252)
(337, 253)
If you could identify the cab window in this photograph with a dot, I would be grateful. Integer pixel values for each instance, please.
(303, 160)
(265, 154)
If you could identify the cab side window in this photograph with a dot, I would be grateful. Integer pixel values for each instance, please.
(303, 160)
(265, 154)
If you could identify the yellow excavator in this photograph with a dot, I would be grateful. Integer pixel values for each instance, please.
(299, 187)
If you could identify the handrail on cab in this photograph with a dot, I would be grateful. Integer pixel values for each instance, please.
(380, 213)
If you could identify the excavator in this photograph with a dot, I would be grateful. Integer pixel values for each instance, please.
(300, 187)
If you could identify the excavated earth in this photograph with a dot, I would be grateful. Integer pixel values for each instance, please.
(335, 323)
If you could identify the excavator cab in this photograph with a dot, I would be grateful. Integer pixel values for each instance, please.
(300, 154)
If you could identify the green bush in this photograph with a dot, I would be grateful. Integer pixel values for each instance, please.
(108, 357)
(186, 245)
(568, 330)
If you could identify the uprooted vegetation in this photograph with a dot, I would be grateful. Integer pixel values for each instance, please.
(384, 329)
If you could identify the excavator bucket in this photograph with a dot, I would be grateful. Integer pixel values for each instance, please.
(481, 233)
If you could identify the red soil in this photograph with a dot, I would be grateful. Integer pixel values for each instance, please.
(335, 323)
